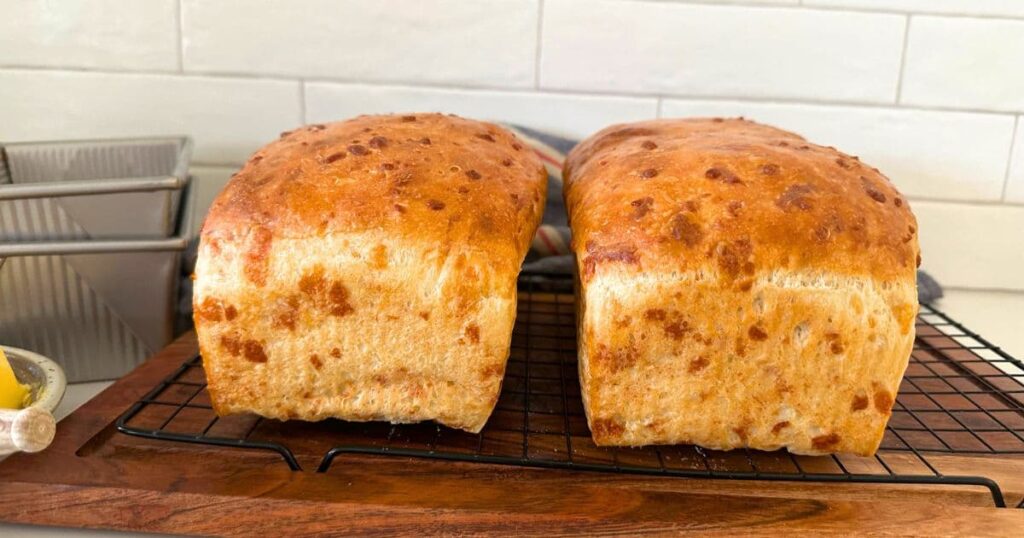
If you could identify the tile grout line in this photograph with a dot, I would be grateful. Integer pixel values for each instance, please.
(801, 6)
(960, 201)
(537, 54)
(302, 102)
(1009, 160)
(511, 90)
(903, 61)
(984, 289)
(181, 38)
(787, 101)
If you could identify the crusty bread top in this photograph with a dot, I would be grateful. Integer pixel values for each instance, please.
(735, 197)
(436, 179)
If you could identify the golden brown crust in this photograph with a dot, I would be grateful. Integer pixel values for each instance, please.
(682, 192)
(433, 177)
(739, 287)
(366, 270)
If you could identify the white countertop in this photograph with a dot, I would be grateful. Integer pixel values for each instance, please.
(995, 315)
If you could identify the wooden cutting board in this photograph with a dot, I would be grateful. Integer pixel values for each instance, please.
(95, 477)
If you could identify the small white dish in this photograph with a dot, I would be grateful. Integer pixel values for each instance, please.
(45, 378)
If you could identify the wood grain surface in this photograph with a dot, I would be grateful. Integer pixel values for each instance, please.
(94, 477)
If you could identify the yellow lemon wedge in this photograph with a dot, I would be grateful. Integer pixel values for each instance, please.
(13, 395)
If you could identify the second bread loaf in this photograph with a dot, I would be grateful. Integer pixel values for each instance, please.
(740, 287)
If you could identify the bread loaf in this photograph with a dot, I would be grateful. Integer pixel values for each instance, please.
(366, 270)
(739, 287)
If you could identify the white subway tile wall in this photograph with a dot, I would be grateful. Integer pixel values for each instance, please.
(227, 118)
(930, 91)
(1009, 8)
(1015, 181)
(957, 62)
(670, 48)
(566, 115)
(208, 182)
(490, 43)
(103, 34)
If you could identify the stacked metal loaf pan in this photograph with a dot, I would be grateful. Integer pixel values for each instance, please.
(91, 239)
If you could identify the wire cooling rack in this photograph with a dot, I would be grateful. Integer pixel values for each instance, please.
(960, 395)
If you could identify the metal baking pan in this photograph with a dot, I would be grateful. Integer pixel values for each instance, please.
(98, 189)
(97, 307)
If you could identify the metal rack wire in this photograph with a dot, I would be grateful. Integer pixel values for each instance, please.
(961, 395)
